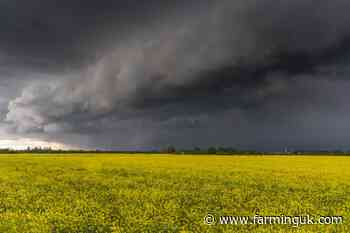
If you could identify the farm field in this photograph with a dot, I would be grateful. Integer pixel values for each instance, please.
(169, 193)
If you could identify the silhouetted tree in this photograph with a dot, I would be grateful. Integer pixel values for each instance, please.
(171, 149)
(212, 150)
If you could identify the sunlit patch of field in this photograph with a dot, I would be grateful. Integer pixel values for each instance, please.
(159, 193)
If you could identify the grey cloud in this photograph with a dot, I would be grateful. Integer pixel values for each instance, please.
(226, 57)
(54, 35)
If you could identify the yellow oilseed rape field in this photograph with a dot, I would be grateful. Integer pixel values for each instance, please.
(172, 193)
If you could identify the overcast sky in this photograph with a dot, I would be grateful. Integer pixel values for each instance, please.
(137, 74)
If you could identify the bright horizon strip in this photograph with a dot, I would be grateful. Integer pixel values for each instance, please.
(22, 144)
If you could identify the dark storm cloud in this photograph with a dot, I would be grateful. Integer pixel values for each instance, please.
(158, 71)
(51, 34)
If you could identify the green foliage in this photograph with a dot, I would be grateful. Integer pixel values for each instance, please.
(158, 193)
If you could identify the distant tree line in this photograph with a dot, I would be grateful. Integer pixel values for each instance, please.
(233, 151)
(173, 150)
(212, 150)
(209, 150)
